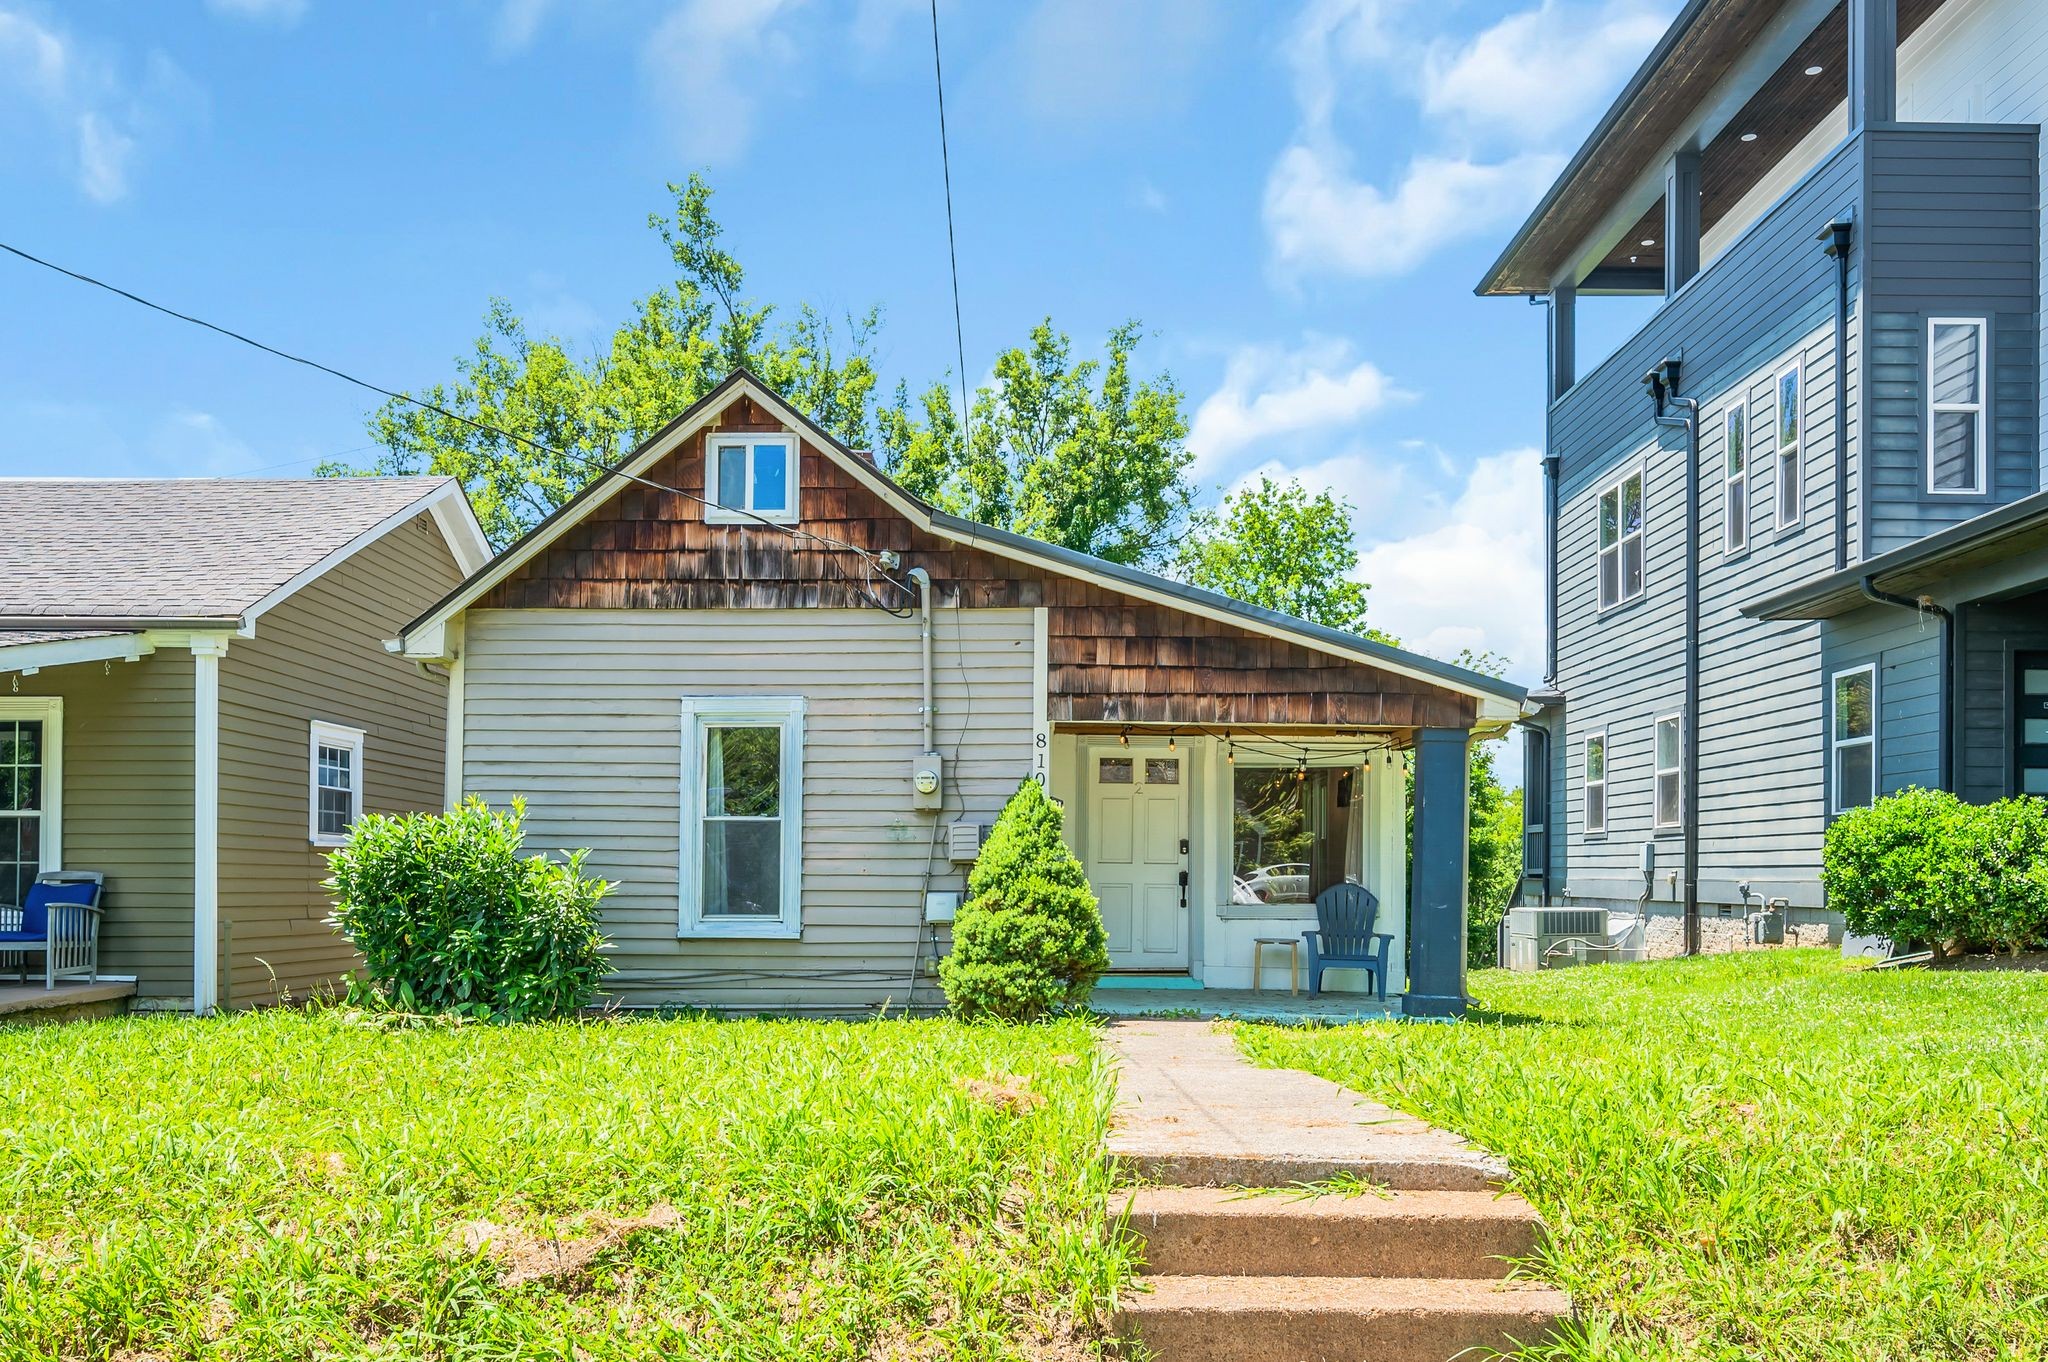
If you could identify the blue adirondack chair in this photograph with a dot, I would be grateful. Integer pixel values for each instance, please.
(1344, 937)
(61, 922)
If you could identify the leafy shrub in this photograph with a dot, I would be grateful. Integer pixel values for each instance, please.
(1029, 938)
(1924, 868)
(449, 918)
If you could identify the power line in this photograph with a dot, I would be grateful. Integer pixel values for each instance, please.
(952, 249)
(869, 562)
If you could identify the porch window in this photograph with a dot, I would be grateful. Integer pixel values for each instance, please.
(1670, 762)
(28, 794)
(1294, 834)
(742, 812)
(1735, 483)
(1955, 405)
(1593, 783)
(749, 479)
(336, 797)
(1621, 541)
(1788, 471)
(1853, 731)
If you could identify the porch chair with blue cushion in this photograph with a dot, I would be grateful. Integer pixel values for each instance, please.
(61, 922)
(1344, 937)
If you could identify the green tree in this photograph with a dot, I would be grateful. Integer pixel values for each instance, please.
(1077, 453)
(681, 341)
(1278, 545)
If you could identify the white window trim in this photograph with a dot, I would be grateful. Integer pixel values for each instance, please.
(715, 514)
(324, 734)
(1586, 824)
(1658, 771)
(1737, 417)
(699, 713)
(1836, 744)
(1797, 369)
(1641, 474)
(1983, 471)
(49, 709)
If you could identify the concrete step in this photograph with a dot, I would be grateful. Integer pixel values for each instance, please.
(1332, 1319)
(1203, 1231)
(1393, 1161)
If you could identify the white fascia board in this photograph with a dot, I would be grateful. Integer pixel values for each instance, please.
(443, 502)
(63, 652)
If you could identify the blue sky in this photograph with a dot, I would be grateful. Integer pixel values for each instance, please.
(1295, 198)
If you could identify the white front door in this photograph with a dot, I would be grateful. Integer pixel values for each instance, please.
(1137, 809)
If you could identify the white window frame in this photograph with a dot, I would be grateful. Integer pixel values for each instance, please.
(1836, 744)
(1734, 529)
(1660, 770)
(324, 734)
(1640, 475)
(50, 710)
(1982, 483)
(1586, 783)
(752, 442)
(726, 711)
(1780, 455)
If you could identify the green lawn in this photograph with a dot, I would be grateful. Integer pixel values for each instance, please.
(289, 1186)
(1765, 1155)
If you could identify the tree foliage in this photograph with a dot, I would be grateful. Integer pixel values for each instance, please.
(1279, 545)
(1082, 454)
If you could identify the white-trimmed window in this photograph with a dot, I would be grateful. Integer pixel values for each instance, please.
(1593, 783)
(31, 792)
(1735, 481)
(749, 477)
(1621, 541)
(335, 798)
(1670, 763)
(1788, 468)
(1956, 455)
(1852, 732)
(742, 804)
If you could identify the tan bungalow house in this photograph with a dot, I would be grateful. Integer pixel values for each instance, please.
(195, 700)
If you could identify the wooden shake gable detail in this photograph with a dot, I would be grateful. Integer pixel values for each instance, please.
(1112, 658)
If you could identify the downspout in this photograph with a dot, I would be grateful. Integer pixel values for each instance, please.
(924, 603)
(1550, 479)
(1662, 382)
(1837, 235)
(1944, 705)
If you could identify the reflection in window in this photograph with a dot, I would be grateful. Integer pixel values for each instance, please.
(1162, 770)
(1113, 771)
(743, 822)
(1293, 837)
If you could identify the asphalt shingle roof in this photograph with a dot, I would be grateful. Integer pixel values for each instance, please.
(176, 548)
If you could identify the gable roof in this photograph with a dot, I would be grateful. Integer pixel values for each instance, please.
(423, 637)
(78, 553)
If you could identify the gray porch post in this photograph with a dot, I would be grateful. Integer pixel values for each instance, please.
(1681, 220)
(1436, 947)
(1873, 62)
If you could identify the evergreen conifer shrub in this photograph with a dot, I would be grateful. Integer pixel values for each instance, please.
(1029, 938)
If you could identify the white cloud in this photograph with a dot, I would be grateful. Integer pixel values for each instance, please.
(1541, 71)
(103, 155)
(269, 11)
(1268, 392)
(1080, 61)
(706, 64)
(1474, 577)
(517, 24)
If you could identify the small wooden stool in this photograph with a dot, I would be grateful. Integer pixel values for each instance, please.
(1293, 945)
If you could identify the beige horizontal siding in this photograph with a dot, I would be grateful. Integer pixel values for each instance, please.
(580, 712)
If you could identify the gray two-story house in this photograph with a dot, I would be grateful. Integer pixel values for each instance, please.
(1798, 543)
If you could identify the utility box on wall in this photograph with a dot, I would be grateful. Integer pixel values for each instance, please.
(928, 783)
(964, 840)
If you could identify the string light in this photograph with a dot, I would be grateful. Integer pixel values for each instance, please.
(1172, 743)
(1124, 738)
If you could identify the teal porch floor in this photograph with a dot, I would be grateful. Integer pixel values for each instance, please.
(1242, 1004)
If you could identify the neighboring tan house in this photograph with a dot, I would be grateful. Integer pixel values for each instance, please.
(781, 759)
(1843, 591)
(198, 700)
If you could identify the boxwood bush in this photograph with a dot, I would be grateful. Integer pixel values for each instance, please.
(1926, 869)
(450, 919)
(1029, 938)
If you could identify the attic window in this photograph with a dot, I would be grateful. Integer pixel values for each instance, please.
(750, 478)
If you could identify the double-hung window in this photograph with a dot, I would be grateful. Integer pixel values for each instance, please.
(1955, 406)
(1621, 541)
(1670, 762)
(1852, 731)
(1593, 809)
(742, 816)
(336, 795)
(749, 478)
(1788, 469)
(1735, 482)
(31, 789)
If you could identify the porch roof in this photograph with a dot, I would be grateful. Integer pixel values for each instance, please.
(28, 650)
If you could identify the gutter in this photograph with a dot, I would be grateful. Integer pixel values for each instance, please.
(1944, 707)
(1662, 382)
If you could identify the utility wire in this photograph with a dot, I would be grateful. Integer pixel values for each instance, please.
(871, 567)
(952, 250)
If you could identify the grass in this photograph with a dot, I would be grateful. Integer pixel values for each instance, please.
(296, 1186)
(1768, 1155)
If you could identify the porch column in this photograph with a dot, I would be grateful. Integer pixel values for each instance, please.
(1561, 340)
(1873, 62)
(206, 655)
(1436, 948)
(1681, 219)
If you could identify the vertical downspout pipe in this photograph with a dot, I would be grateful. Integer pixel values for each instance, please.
(1837, 235)
(1663, 384)
(924, 603)
(1944, 705)
(1550, 479)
